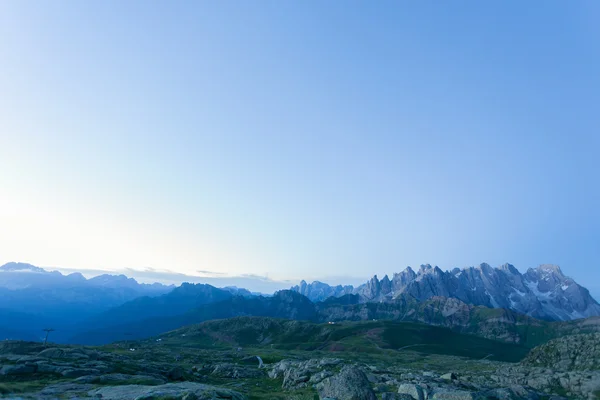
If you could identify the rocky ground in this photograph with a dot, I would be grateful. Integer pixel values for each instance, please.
(160, 369)
(573, 352)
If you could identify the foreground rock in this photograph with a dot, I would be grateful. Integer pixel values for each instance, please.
(576, 384)
(567, 367)
(172, 391)
(302, 374)
(413, 390)
(66, 389)
(350, 384)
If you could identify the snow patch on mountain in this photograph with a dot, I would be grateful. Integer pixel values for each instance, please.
(544, 292)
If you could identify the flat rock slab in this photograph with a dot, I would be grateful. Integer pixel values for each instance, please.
(64, 388)
(120, 379)
(187, 390)
(70, 354)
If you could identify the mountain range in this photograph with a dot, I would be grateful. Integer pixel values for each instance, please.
(543, 293)
(491, 323)
(495, 303)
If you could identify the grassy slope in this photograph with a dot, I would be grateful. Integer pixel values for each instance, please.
(373, 336)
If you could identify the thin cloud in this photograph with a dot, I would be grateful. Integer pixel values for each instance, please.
(211, 273)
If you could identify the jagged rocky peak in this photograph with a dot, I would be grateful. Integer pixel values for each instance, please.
(509, 268)
(288, 296)
(547, 277)
(544, 292)
(546, 272)
(407, 274)
(385, 285)
(555, 269)
(319, 291)
(401, 279)
(425, 268)
(374, 282)
(428, 272)
(486, 268)
(372, 290)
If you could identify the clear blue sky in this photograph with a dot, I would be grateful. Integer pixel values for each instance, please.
(300, 139)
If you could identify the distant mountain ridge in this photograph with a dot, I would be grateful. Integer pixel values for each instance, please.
(32, 299)
(178, 301)
(283, 304)
(543, 293)
(16, 276)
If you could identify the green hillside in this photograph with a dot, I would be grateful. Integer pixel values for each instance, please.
(368, 337)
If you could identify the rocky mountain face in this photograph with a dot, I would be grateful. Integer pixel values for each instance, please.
(491, 323)
(319, 291)
(497, 324)
(544, 292)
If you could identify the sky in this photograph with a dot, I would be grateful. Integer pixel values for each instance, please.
(300, 140)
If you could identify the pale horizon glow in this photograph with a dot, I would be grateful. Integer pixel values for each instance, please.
(300, 140)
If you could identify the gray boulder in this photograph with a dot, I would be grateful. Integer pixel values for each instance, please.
(350, 384)
(300, 374)
(295, 378)
(415, 391)
(319, 376)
